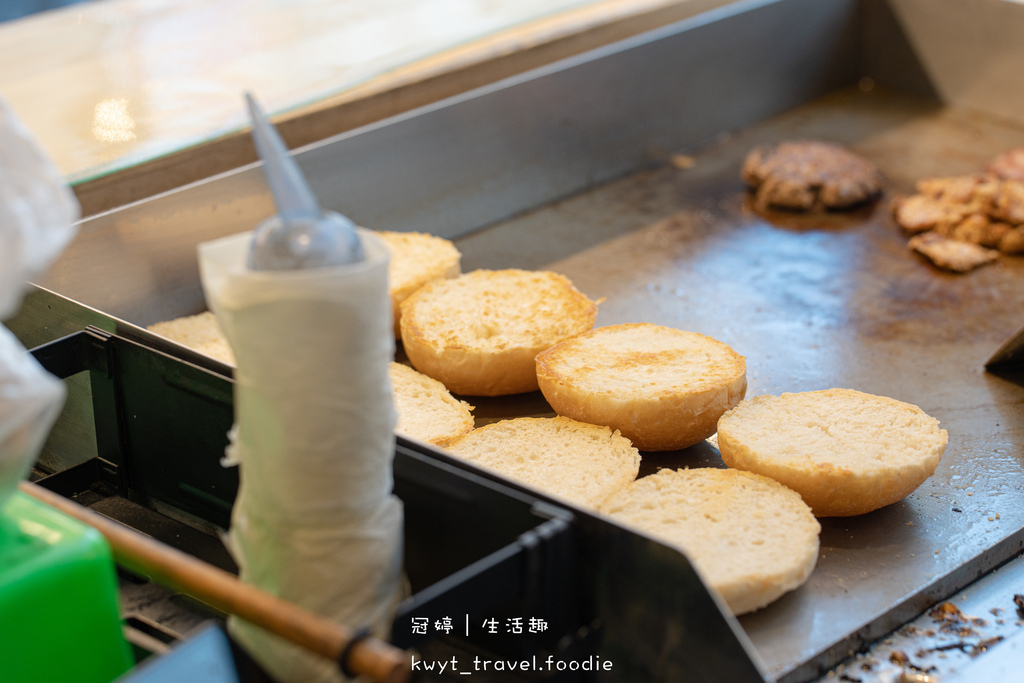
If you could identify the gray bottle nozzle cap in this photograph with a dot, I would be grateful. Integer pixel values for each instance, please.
(301, 235)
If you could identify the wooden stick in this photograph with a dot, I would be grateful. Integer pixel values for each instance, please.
(221, 590)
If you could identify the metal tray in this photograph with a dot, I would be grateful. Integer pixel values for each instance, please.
(565, 168)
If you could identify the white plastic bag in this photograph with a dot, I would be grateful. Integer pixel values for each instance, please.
(37, 214)
(30, 400)
(315, 521)
(37, 210)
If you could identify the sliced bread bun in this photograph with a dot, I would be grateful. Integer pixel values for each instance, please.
(845, 452)
(416, 259)
(479, 333)
(200, 333)
(581, 463)
(750, 538)
(426, 411)
(663, 388)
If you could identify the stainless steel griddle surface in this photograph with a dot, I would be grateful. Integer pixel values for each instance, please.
(815, 302)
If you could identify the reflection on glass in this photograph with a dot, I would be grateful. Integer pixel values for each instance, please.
(112, 121)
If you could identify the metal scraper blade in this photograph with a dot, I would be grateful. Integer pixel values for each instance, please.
(1008, 361)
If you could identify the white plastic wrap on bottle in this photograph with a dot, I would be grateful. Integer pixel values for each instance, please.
(315, 521)
(37, 215)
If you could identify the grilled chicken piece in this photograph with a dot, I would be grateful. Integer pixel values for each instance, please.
(1009, 165)
(920, 213)
(976, 209)
(951, 254)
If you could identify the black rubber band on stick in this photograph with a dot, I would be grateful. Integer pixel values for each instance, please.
(360, 635)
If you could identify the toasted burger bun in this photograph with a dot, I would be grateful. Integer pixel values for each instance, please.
(416, 259)
(845, 452)
(663, 388)
(479, 333)
(581, 463)
(750, 538)
(426, 411)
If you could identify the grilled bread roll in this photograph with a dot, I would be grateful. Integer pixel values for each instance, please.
(479, 333)
(416, 259)
(750, 538)
(663, 388)
(579, 462)
(426, 411)
(844, 451)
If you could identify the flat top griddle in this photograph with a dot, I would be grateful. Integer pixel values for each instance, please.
(815, 302)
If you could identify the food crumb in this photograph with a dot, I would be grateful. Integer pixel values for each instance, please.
(910, 524)
(682, 161)
(985, 644)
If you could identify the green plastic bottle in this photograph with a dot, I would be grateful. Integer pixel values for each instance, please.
(59, 616)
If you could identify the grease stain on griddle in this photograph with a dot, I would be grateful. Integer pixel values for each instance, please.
(900, 658)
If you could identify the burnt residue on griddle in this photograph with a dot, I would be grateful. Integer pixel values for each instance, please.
(941, 638)
(970, 649)
(946, 614)
(953, 621)
(985, 644)
(900, 658)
